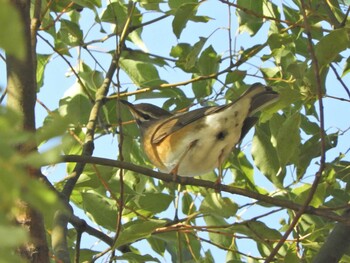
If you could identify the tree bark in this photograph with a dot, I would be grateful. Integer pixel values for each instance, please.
(21, 90)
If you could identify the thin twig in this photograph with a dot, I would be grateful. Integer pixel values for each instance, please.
(340, 79)
(228, 249)
(133, 28)
(336, 98)
(71, 68)
(3, 95)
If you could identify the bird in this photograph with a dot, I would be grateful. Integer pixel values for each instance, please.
(196, 142)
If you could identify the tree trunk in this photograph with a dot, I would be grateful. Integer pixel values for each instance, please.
(21, 90)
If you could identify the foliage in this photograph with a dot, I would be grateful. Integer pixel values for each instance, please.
(176, 55)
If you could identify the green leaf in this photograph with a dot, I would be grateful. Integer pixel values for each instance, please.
(209, 61)
(115, 13)
(144, 57)
(192, 56)
(312, 149)
(138, 229)
(142, 74)
(11, 33)
(92, 79)
(256, 230)
(301, 194)
(216, 205)
(309, 127)
(150, 4)
(265, 155)
(118, 13)
(183, 14)
(70, 33)
(188, 206)
(157, 245)
(175, 4)
(101, 210)
(219, 238)
(251, 21)
(236, 75)
(188, 55)
(329, 47)
(208, 64)
(42, 61)
(346, 69)
(15, 236)
(133, 257)
(154, 202)
(88, 178)
(75, 107)
(242, 170)
(202, 88)
(92, 4)
(288, 139)
(54, 125)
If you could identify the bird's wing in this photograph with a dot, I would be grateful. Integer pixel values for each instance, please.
(179, 121)
(259, 95)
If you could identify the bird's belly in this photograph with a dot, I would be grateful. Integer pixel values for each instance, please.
(201, 150)
(202, 158)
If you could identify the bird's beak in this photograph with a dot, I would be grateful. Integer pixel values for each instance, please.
(135, 113)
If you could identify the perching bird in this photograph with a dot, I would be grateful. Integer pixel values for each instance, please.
(196, 142)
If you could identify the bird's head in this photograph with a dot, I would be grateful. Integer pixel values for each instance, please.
(146, 114)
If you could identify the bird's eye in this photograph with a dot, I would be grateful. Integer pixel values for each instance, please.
(146, 117)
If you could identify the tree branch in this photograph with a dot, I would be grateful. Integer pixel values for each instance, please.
(323, 212)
